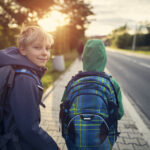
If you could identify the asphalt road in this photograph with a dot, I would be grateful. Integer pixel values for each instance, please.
(133, 75)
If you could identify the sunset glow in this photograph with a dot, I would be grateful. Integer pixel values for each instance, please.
(55, 19)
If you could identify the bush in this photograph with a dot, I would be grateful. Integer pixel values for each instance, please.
(122, 40)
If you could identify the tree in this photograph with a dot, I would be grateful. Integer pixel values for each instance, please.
(120, 30)
(16, 12)
(61, 38)
(22, 11)
(78, 12)
(13, 13)
(146, 25)
(121, 38)
(7, 37)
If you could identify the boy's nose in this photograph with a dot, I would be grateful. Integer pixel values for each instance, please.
(45, 52)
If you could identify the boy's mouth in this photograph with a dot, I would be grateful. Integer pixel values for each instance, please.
(43, 59)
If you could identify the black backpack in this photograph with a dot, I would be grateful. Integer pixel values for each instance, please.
(7, 75)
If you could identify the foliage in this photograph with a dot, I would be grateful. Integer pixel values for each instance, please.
(120, 30)
(14, 13)
(51, 75)
(61, 38)
(78, 12)
(120, 38)
(145, 25)
(22, 11)
(7, 37)
(143, 40)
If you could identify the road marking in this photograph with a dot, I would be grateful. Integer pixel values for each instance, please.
(145, 65)
(135, 116)
(134, 61)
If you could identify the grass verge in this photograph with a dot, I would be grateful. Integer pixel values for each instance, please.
(52, 75)
(145, 52)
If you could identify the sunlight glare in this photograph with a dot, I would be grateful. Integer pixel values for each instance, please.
(54, 20)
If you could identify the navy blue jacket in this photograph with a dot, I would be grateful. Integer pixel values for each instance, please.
(22, 105)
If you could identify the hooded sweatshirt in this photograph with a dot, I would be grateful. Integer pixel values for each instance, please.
(95, 59)
(22, 105)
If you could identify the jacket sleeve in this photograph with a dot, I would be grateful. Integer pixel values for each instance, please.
(25, 109)
(119, 96)
(63, 98)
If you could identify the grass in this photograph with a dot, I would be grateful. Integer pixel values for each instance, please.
(52, 75)
(139, 51)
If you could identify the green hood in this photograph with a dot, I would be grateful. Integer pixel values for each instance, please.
(94, 56)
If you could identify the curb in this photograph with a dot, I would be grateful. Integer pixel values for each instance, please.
(128, 53)
(136, 118)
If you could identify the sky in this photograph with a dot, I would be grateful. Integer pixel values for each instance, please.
(111, 14)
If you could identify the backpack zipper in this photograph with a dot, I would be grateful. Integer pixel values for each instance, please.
(89, 114)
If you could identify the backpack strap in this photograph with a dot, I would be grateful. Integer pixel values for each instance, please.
(28, 72)
(11, 135)
(113, 118)
(82, 74)
(9, 79)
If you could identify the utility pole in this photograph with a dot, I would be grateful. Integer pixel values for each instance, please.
(134, 40)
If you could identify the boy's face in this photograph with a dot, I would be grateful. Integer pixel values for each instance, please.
(37, 52)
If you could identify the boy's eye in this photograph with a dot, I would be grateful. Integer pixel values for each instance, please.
(47, 48)
(37, 47)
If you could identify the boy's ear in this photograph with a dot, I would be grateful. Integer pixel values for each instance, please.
(22, 50)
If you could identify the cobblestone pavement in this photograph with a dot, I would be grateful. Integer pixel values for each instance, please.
(129, 139)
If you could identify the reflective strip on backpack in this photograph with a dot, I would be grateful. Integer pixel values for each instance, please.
(29, 73)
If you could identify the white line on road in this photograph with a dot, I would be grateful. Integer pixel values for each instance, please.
(145, 65)
(135, 116)
(134, 61)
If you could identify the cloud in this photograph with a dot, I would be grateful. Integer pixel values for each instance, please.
(114, 13)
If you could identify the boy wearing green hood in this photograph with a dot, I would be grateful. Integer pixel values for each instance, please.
(95, 59)
(90, 101)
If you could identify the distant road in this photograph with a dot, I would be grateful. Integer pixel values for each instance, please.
(133, 75)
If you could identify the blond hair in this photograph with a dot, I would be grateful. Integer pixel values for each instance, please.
(32, 33)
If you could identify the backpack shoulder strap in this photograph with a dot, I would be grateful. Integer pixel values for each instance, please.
(26, 71)
(7, 74)
(82, 74)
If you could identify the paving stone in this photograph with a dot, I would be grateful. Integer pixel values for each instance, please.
(124, 130)
(64, 147)
(135, 135)
(129, 139)
(143, 147)
(115, 147)
(120, 140)
(142, 141)
(126, 146)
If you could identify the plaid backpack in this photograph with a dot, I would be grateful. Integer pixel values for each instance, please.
(88, 113)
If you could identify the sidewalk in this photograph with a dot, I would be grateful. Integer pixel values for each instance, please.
(129, 139)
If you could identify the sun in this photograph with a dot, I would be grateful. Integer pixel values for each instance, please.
(53, 20)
